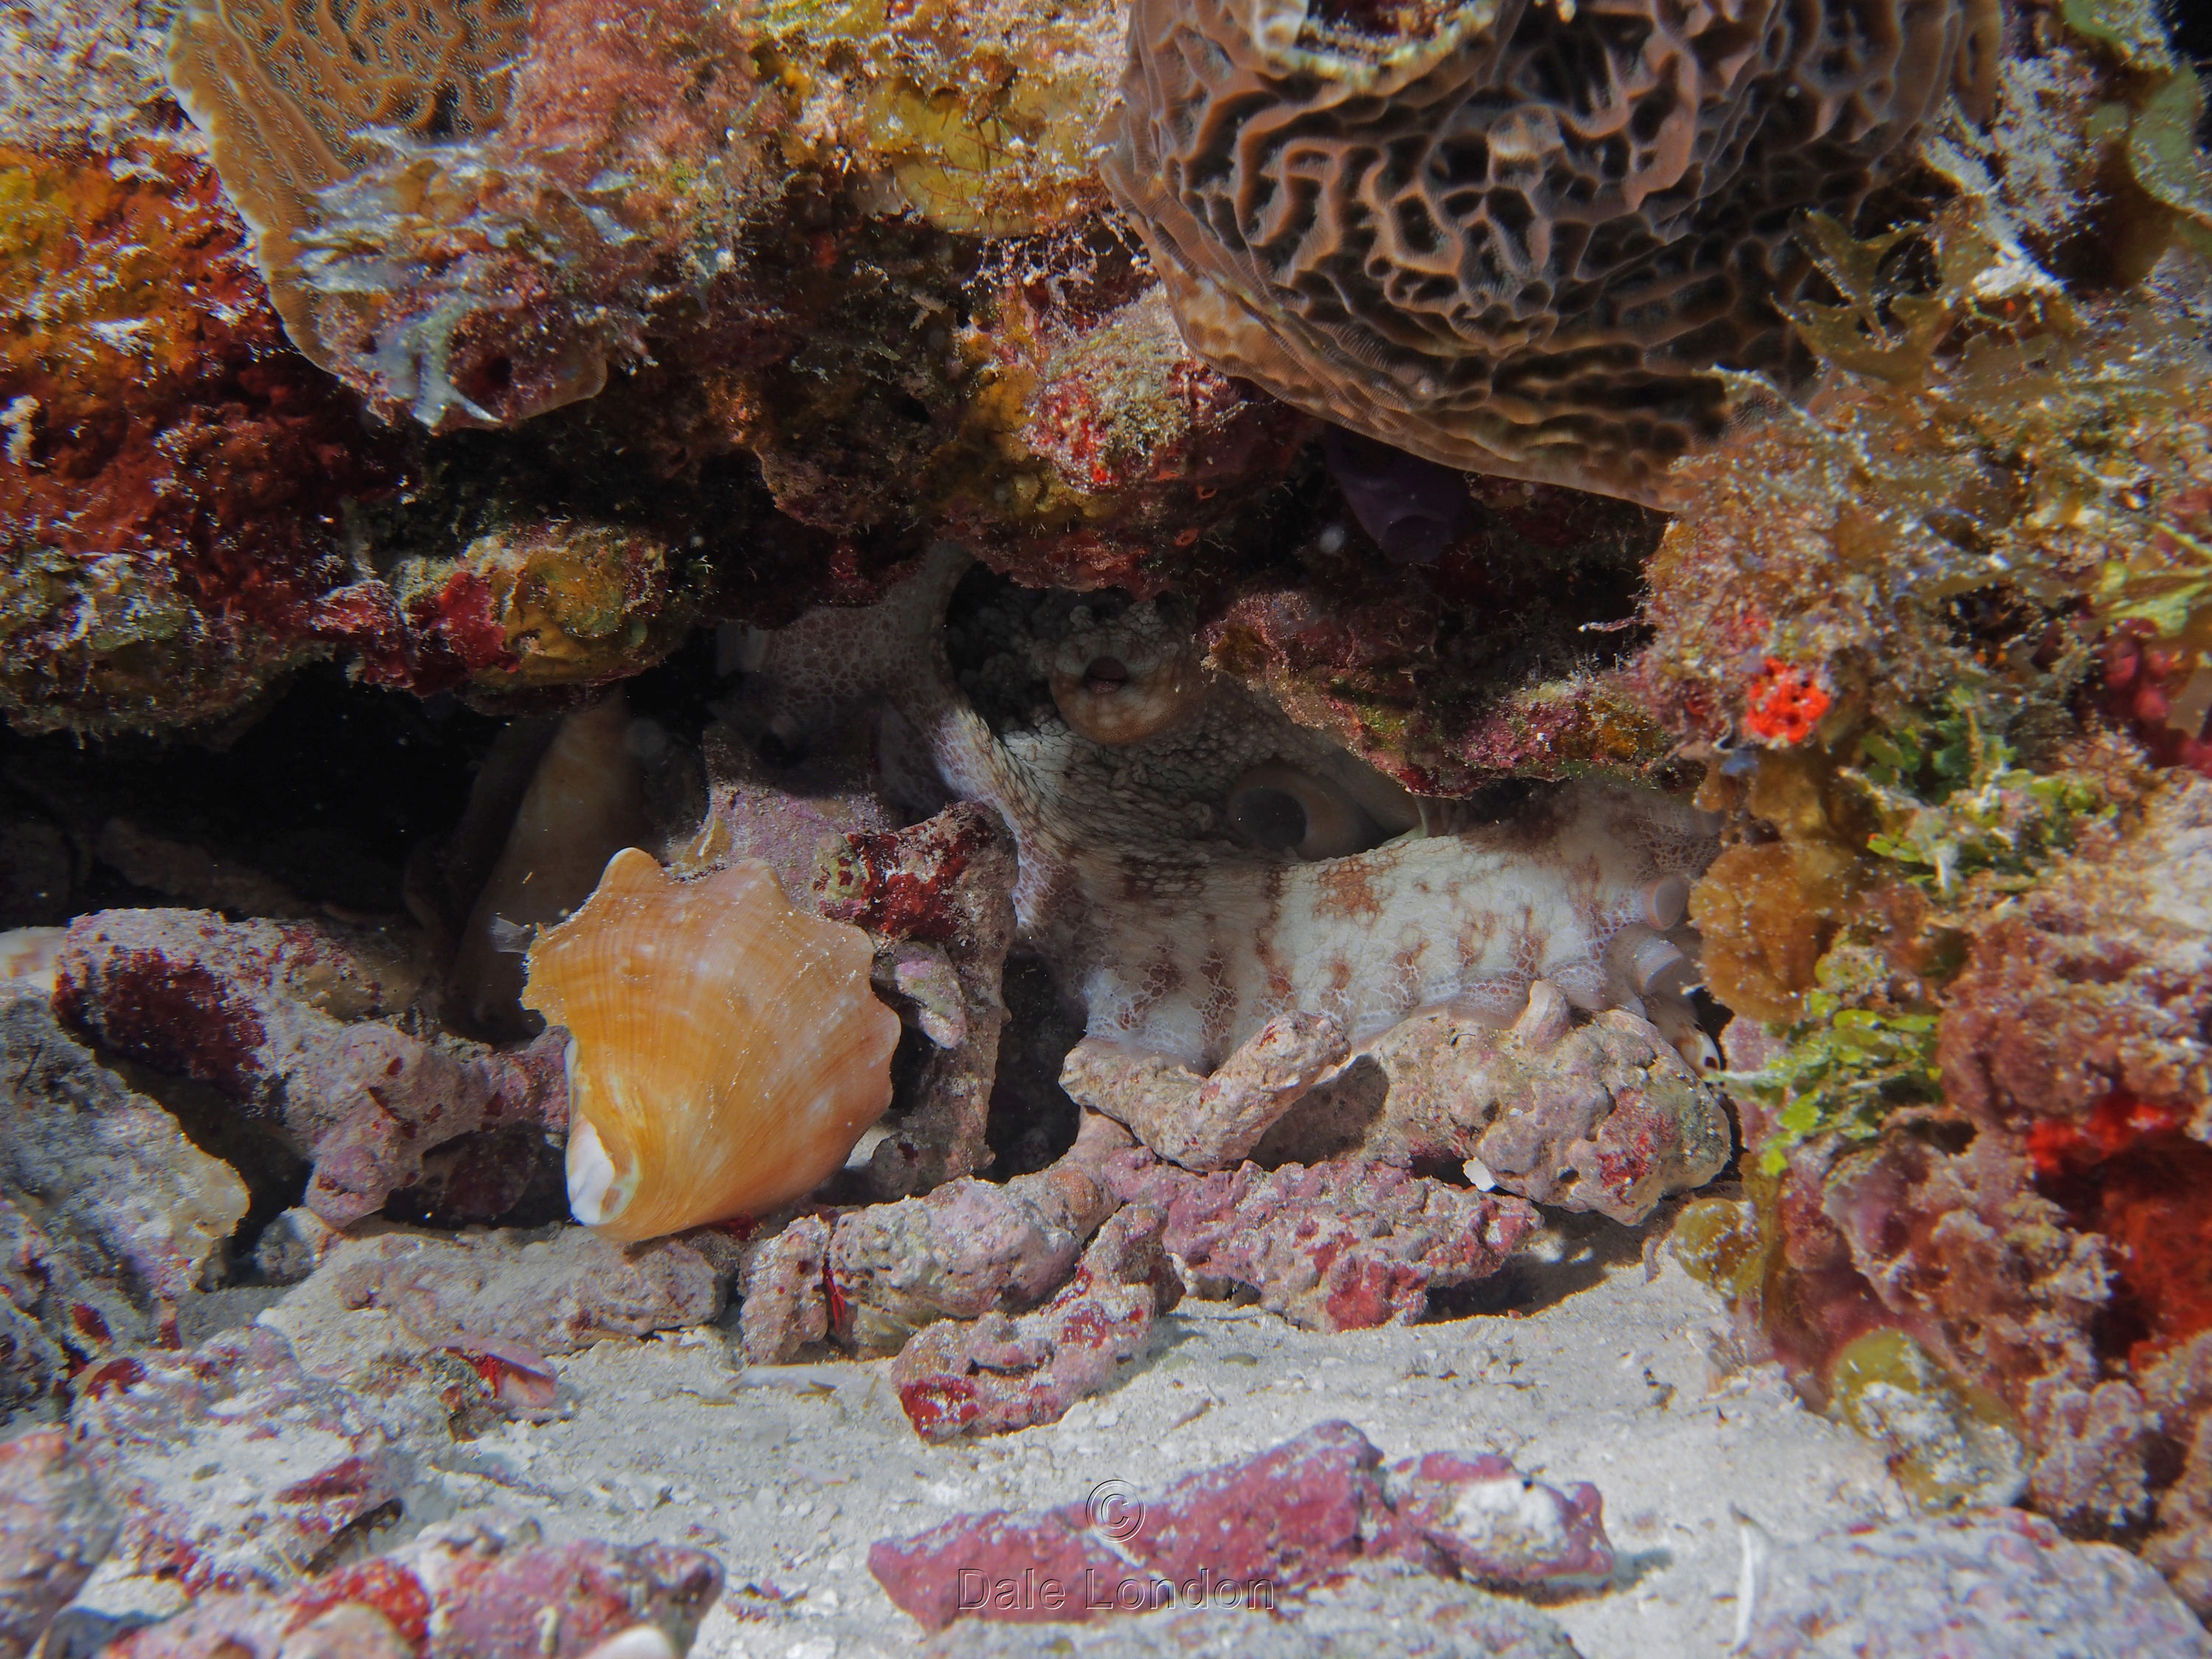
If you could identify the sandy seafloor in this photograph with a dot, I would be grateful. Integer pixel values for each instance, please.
(788, 1474)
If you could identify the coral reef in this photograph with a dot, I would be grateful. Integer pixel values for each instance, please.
(434, 202)
(1327, 1503)
(980, 117)
(1476, 666)
(725, 1051)
(1971, 1228)
(1507, 238)
(279, 1019)
(173, 478)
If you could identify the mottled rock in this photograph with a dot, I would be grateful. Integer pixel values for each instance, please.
(296, 1460)
(871, 1277)
(108, 1216)
(555, 1295)
(947, 883)
(479, 1590)
(1206, 1122)
(968, 1250)
(1482, 1519)
(1261, 1533)
(1604, 1116)
(273, 1016)
(1003, 1372)
(55, 1529)
(1338, 1247)
(783, 1282)
(1993, 1584)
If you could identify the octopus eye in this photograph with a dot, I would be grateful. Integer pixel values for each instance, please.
(1283, 810)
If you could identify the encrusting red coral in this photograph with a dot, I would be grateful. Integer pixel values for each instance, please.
(1327, 1501)
(1783, 704)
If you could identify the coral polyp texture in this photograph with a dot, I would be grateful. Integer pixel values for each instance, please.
(1510, 238)
(467, 211)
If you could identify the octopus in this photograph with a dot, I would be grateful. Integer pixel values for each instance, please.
(1194, 866)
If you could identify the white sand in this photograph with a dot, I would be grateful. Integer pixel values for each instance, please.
(789, 1474)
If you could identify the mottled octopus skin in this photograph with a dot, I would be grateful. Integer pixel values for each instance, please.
(1180, 939)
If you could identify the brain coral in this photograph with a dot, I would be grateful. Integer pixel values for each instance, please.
(1515, 238)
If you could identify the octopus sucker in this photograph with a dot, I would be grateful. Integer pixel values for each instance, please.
(1230, 866)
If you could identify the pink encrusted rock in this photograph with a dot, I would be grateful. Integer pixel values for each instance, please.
(55, 1529)
(1483, 1520)
(1015, 1569)
(1260, 1531)
(1604, 1116)
(1338, 1246)
(269, 1015)
(783, 1285)
(1000, 1373)
(871, 1277)
(1206, 1122)
(946, 883)
(1294, 1515)
(301, 1460)
(472, 1591)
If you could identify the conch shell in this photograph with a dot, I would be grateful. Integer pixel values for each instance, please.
(725, 1051)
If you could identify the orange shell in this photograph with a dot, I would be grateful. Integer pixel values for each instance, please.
(725, 1051)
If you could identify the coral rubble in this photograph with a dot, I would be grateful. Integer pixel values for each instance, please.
(278, 1018)
(304, 1460)
(110, 1216)
(55, 1527)
(486, 1589)
(1328, 1503)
